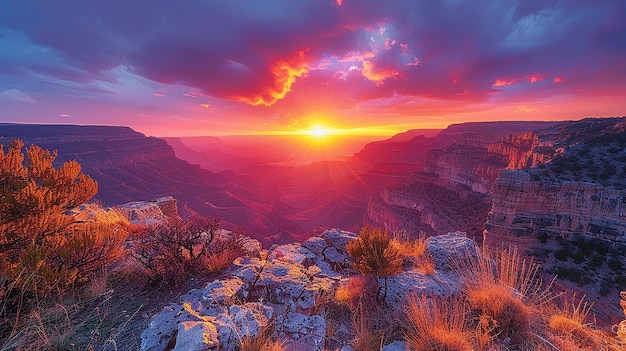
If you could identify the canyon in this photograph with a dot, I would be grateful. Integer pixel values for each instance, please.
(424, 182)
(555, 189)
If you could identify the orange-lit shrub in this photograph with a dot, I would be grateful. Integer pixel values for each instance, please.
(375, 253)
(41, 243)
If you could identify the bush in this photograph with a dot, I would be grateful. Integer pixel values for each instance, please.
(46, 247)
(175, 250)
(375, 253)
(42, 244)
(35, 196)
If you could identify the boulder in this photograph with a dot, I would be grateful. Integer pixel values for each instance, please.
(196, 336)
(338, 238)
(450, 248)
(406, 284)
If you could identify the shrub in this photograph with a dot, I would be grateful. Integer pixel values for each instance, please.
(179, 248)
(375, 253)
(35, 197)
(42, 243)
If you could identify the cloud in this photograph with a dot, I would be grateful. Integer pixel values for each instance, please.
(524, 108)
(256, 53)
(16, 95)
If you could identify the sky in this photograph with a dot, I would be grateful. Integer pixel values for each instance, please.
(219, 67)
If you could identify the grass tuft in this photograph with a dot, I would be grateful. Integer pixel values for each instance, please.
(437, 324)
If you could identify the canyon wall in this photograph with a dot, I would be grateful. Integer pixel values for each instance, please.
(524, 209)
(571, 182)
(94, 147)
(423, 204)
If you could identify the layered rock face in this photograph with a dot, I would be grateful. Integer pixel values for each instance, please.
(572, 184)
(476, 159)
(94, 147)
(524, 208)
(459, 167)
(422, 205)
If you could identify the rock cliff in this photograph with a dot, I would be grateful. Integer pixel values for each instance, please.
(94, 147)
(571, 182)
(524, 209)
(423, 204)
(460, 165)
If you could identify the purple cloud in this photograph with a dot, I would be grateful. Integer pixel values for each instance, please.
(260, 53)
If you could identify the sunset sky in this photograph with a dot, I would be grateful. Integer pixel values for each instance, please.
(216, 67)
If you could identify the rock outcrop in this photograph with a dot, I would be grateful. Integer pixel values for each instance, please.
(425, 205)
(150, 212)
(481, 150)
(285, 291)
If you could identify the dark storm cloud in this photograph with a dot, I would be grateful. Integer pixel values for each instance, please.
(253, 51)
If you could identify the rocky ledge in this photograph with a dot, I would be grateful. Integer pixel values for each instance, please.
(284, 288)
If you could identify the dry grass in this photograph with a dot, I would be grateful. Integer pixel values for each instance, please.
(570, 331)
(366, 336)
(358, 290)
(437, 324)
(413, 252)
(261, 342)
(506, 290)
(216, 262)
(511, 317)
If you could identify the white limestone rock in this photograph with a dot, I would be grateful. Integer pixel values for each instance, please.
(338, 238)
(396, 346)
(315, 244)
(292, 253)
(196, 336)
(302, 332)
(225, 291)
(406, 284)
(446, 249)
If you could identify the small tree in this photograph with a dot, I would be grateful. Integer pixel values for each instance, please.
(35, 196)
(39, 239)
(375, 253)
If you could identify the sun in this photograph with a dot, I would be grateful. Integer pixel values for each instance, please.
(318, 131)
